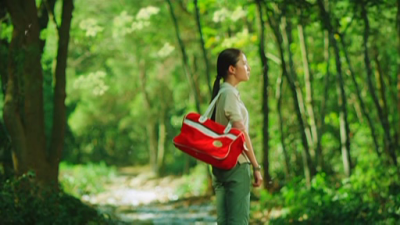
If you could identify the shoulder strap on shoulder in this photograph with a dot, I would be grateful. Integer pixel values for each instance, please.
(211, 107)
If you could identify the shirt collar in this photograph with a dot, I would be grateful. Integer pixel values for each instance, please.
(228, 85)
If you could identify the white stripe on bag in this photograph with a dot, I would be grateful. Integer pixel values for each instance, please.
(206, 131)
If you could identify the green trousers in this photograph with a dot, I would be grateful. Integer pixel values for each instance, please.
(232, 189)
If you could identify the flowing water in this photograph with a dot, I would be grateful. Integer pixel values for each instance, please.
(138, 199)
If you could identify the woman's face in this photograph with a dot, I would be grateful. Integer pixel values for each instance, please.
(242, 69)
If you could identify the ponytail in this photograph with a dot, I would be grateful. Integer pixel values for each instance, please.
(214, 94)
(226, 58)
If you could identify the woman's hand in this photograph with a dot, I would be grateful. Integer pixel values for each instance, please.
(257, 178)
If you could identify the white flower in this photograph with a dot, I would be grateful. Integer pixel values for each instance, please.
(165, 50)
(93, 81)
(238, 13)
(91, 27)
(146, 13)
(220, 15)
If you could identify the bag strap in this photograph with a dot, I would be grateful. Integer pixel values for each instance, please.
(213, 103)
(210, 109)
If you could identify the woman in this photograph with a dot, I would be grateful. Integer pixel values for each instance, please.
(232, 187)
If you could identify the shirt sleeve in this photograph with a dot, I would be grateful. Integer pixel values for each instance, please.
(232, 106)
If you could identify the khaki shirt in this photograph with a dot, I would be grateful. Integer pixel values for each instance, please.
(229, 107)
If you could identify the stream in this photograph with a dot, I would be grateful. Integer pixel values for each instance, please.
(139, 198)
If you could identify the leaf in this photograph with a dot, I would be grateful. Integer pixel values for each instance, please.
(209, 42)
(209, 31)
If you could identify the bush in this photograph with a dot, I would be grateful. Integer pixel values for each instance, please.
(370, 195)
(24, 202)
(90, 178)
(195, 182)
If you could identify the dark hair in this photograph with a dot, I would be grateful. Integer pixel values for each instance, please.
(226, 58)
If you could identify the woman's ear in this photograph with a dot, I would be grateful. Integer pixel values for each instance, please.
(232, 69)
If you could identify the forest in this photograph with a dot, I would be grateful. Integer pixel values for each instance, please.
(93, 93)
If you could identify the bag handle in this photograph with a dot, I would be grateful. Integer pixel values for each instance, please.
(207, 114)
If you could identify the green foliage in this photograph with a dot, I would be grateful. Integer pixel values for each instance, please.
(370, 195)
(109, 120)
(23, 202)
(1, 105)
(6, 31)
(195, 182)
(125, 72)
(79, 180)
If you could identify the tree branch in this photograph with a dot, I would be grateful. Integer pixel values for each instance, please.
(50, 4)
(59, 115)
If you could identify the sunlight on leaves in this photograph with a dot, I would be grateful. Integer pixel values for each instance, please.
(121, 24)
(139, 25)
(237, 14)
(209, 31)
(166, 50)
(125, 24)
(43, 34)
(224, 14)
(77, 122)
(254, 38)
(239, 40)
(146, 13)
(344, 22)
(123, 19)
(94, 81)
(91, 27)
(220, 15)
(6, 31)
(210, 42)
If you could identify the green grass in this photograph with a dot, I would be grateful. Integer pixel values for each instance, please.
(370, 196)
(79, 180)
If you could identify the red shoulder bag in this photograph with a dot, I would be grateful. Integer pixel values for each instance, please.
(209, 141)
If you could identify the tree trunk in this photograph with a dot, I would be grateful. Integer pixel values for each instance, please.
(265, 108)
(5, 152)
(279, 90)
(4, 44)
(24, 104)
(188, 158)
(5, 143)
(12, 110)
(380, 85)
(309, 169)
(59, 114)
(321, 125)
(382, 118)
(398, 67)
(195, 77)
(151, 124)
(389, 81)
(381, 88)
(184, 57)
(203, 48)
(288, 40)
(344, 125)
(359, 97)
(161, 143)
(25, 122)
(308, 87)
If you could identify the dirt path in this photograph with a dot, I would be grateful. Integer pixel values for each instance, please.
(137, 197)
